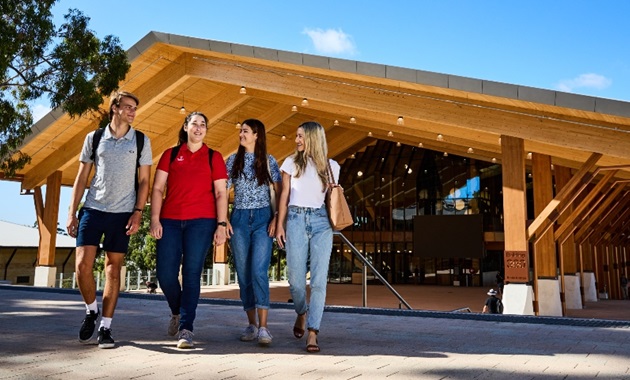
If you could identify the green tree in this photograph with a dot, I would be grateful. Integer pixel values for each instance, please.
(69, 65)
(142, 247)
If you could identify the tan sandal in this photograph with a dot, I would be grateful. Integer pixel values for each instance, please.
(313, 348)
(298, 330)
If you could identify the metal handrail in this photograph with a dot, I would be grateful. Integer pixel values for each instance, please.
(366, 263)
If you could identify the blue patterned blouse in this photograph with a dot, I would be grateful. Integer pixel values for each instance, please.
(247, 194)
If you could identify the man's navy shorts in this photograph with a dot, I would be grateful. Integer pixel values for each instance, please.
(111, 227)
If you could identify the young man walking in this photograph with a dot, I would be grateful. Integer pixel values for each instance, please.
(112, 210)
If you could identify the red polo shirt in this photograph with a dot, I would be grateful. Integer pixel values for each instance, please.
(189, 183)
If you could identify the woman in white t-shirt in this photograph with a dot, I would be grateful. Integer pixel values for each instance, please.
(302, 213)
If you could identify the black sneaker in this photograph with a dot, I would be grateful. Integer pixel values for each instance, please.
(105, 339)
(87, 327)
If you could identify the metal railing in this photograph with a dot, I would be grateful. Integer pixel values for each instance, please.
(369, 265)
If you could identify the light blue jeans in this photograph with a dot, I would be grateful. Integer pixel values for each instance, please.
(251, 246)
(186, 242)
(309, 239)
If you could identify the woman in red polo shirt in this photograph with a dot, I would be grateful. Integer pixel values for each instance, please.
(186, 219)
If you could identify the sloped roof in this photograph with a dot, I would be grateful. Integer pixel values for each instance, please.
(15, 235)
(470, 115)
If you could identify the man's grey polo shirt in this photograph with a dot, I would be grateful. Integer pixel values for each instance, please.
(113, 186)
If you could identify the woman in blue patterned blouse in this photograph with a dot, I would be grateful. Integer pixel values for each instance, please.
(252, 224)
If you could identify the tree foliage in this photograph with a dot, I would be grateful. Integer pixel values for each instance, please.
(142, 247)
(69, 65)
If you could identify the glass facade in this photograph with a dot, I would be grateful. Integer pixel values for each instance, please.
(388, 185)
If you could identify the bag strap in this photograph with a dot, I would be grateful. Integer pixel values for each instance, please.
(96, 139)
(331, 176)
(139, 149)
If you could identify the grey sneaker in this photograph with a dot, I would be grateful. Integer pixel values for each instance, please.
(249, 334)
(185, 339)
(173, 325)
(264, 336)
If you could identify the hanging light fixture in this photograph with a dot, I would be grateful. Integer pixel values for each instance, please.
(183, 109)
(398, 144)
(353, 120)
(494, 160)
(390, 134)
(440, 137)
(400, 121)
(420, 145)
(294, 109)
(283, 138)
(445, 154)
(369, 134)
(243, 90)
(529, 155)
(238, 125)
(352, 156)
(471, 150)
(336, 123)
(304, 102)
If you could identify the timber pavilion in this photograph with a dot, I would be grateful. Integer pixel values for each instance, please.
(450, 179)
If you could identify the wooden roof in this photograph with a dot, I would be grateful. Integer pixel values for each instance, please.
(170, 71)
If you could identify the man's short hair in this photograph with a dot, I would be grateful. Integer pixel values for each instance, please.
(115, 100)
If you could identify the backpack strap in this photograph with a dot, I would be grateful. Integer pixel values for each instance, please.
(174, 153)
(139, 148)
(210, 155)
(96, 139)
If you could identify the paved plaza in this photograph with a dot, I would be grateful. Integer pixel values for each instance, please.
(39, 328)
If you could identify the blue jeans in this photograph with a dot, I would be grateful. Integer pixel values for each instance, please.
(251, 246)
(184, 242)
(309, 235)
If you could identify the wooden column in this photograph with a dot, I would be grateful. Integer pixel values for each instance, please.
(569, 256)
(47, 219)
(545, 247)
(608, 268)
(516, 255)
(220, 254)
(616, 273)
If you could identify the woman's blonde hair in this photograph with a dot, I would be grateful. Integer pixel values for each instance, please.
(315, 149)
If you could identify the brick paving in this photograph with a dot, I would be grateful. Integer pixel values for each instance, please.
(39, 326)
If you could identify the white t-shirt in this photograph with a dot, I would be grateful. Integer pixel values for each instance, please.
(306, 191)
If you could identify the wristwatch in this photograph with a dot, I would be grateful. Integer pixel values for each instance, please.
(224, 224)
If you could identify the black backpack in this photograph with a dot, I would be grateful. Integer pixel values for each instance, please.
(96, 139)
(499, 306)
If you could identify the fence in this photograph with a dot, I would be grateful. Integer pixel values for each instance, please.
(138, 280)
(132, 280)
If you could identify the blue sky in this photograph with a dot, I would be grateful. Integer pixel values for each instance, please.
(575, 46)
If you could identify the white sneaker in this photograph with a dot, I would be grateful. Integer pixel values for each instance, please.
(185, 339)
(264, 336)
(173, 325)
(250, 333)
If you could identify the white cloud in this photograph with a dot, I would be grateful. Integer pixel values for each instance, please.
(591, 81)
(331, 41)
(39, 111)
